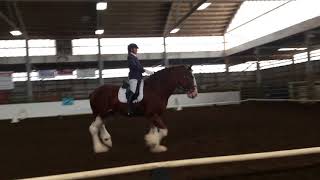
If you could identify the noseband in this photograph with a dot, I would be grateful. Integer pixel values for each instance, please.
(186, 89)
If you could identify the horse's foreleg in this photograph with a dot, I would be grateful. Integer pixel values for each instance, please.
(94, 129)
(105, 136)
(157, 131)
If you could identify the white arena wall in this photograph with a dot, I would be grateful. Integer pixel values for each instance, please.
(49, 109)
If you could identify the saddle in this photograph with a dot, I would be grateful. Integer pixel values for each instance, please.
(125, 88)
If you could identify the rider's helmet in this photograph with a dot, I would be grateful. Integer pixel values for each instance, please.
(131, 46)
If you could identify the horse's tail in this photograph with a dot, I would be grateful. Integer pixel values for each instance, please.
(90, 99)
(92, 104)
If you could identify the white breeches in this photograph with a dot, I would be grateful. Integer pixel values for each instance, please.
(133, 85)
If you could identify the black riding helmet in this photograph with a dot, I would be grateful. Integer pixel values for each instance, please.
(132, 45)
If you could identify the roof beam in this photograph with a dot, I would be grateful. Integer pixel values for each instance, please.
(108, 0)
(284, 33)
(232, 17)
(20, 20)
(168, 18)
(222, 1)
(8, 21)
(181, 20)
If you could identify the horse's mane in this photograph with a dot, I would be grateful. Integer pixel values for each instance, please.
(161, 75)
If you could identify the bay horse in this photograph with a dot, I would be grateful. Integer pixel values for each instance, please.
(157, 90)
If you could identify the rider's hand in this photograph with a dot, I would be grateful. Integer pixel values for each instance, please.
(149, 72)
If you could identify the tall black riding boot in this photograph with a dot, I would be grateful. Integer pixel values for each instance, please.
(130, 103)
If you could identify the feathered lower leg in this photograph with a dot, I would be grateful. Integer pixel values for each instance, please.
(94, 129)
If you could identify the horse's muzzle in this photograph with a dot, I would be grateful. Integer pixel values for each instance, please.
(193, 93)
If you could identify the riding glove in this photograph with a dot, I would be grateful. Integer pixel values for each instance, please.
(148, 72)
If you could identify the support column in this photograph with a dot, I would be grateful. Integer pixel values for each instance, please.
(258, 75)
(227, 63)
(227, 73)
(28, 69)
(100, 63)
(293, 78)
(293, 70)
(259, 81)
(165, 57)
(309, 69)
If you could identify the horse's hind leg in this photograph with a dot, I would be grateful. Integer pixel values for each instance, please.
(94, 129)
(157, 131)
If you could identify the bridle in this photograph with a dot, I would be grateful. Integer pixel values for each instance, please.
(187, 89)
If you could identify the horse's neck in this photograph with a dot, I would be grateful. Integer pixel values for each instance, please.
(165, 88)
(169, 87)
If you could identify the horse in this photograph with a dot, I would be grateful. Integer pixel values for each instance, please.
(157, 90)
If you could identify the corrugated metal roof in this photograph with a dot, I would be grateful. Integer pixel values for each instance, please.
(74, 19)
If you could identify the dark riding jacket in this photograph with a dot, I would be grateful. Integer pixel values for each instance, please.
(135, 67)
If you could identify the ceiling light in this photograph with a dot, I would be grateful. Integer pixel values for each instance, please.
(203, 6)
(175, 30)
(101, 6)
(99, 31)
(292, 49)
(15, 33)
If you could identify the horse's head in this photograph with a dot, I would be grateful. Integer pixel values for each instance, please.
(187, 81)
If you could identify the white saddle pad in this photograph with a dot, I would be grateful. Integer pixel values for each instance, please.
(122, 94)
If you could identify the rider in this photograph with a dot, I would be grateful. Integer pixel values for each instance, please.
(135, 74)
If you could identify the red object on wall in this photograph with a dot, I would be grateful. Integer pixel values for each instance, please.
(65, 71)
(4, 97)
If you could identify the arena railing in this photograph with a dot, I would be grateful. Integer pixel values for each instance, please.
(180, 163)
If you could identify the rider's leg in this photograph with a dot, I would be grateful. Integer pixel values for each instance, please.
(133, 87)
(130, 100)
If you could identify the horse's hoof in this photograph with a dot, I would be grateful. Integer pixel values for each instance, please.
(163, 132)
(100, 149)
(152, 139)
(158, 149)
(107, 142)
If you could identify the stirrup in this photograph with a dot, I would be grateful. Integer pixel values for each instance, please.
(130, 111)
(130, 114)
